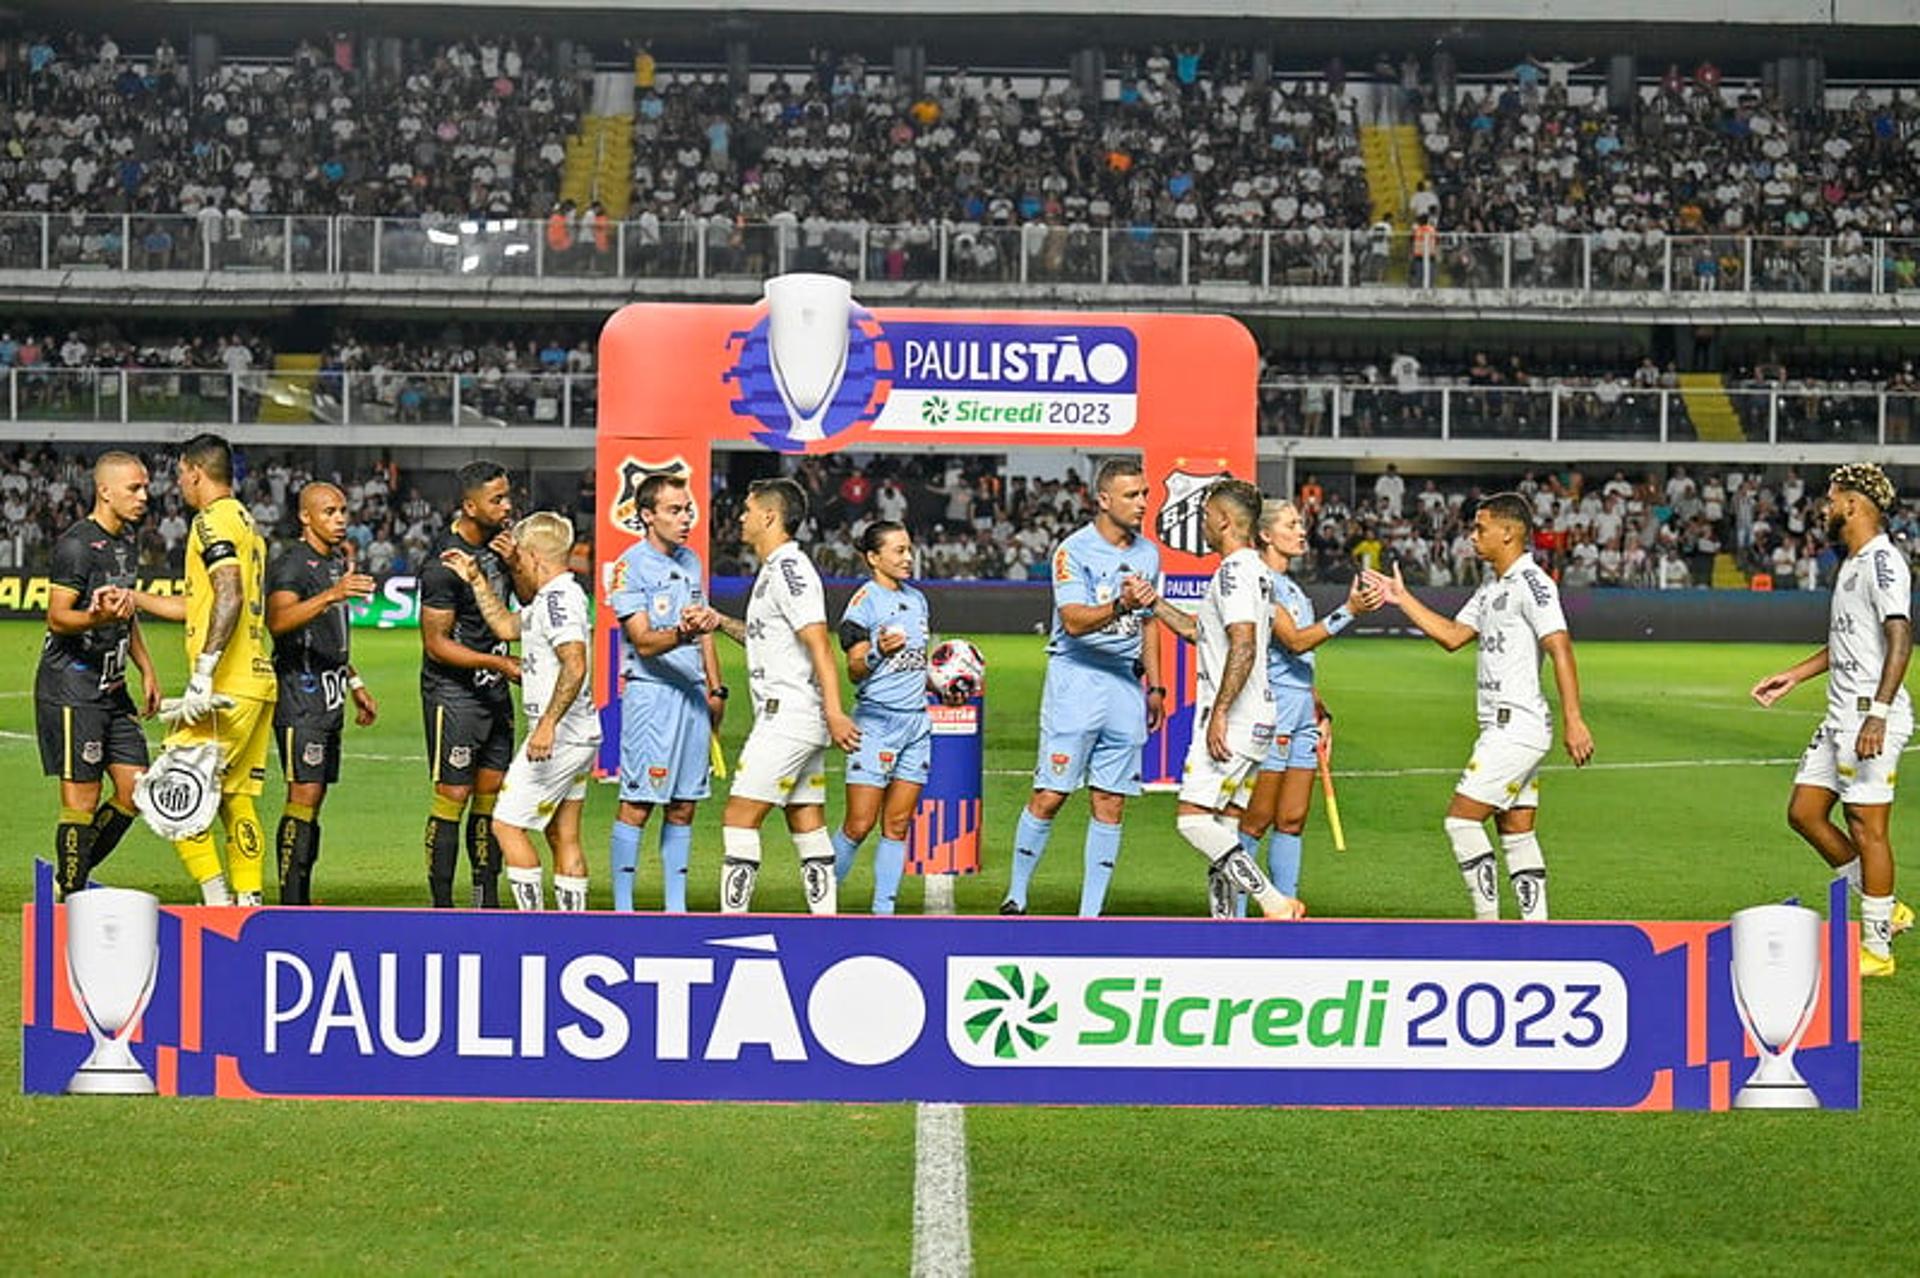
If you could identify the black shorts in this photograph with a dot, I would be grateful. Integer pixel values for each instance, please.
(309, 750)
(464, 737)
(80, 742)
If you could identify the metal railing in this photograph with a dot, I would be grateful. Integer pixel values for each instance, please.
(540, 400)
(1587, 412)
(961, 253)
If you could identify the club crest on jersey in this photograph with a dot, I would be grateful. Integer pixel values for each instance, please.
(91, 752)
(459, 756)
(886, 758)
(625, 511)
(1179, 524)
(314, 753)
(1059, 762)
(656, 775)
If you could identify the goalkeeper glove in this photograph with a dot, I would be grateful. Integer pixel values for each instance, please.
(198, 701)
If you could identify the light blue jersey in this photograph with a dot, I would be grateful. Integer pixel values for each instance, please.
(1088, 569)
(661, 587)
(1093, 713)
(898, 680)
(1296, 731)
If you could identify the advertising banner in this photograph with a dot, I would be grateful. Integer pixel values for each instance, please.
(354, 1003)
(811, 371)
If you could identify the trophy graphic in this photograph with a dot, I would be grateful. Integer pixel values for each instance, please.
(1776, 980)
(113, 956)
(807, 341)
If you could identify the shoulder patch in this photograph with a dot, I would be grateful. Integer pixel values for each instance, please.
(1883, 569)
(1062, 565)
(1538, 586)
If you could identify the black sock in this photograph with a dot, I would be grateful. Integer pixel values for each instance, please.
(443, 853)
(109, 825)
(295, 841)
(483, 855)
(71, 838)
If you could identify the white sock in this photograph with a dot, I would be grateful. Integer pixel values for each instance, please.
(816, 871)
(1851, 873)
(739, 868)
(1876, 924)
(1220, 843)
(213, 891)
(1473, 850)
(247, 900)
(1527, 871)
(524, 880)
(570, 893)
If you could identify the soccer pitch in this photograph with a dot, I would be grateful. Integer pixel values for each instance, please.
(1681, 817)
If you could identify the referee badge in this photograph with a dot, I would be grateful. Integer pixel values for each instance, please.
(662, 604)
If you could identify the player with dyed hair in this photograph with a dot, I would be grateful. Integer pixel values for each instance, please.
(230, 697)
(1302, 728)
(796, 705)
(308, 586)
(466, 664)
(1233, 729)
(1855, 753)
(671, 695)
(884, 632)
(1514, 617)
(546, 784)
(84, 718)
(1093, 719)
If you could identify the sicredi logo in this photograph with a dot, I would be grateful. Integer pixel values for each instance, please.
(1041, 1011)
(920, 378)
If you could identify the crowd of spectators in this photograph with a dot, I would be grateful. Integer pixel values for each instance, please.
(1644, 532)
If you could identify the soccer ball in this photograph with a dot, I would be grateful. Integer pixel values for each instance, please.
(956, 670)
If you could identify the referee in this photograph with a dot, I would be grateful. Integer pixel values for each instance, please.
(465, 671)
(308, 586)
(84, 718)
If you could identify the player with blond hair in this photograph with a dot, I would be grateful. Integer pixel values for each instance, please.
(1854, 756)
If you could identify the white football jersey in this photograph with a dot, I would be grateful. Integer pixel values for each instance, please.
(1512, 614)
(1240, 591)
(557, 615)
(1870, 587)
(786, 597)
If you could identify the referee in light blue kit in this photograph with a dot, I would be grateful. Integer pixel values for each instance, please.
(884, 631)
(672, 698)
(1094, 719)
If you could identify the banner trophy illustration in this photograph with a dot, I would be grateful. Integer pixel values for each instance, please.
(1776, 985)
(809, 370)
(113, 957)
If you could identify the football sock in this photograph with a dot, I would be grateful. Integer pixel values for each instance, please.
(71, 838)
(844, 852)
(570, 893)
(246, 844)
(1876, 924)
(816, 871)
(483, 854)
(1473, 851)
(202, 860)
(443, 849)
(1527, 871)
(1851, 873)
(111, 821)
(1221, 846)
(294, 842)
(676, 849)
(889, 863)
(739, 868)
(1102, 851)
(214, 891)
(1251, 846)
(1029, 845)
(1283, 861)
(623, 854)
(525, 884)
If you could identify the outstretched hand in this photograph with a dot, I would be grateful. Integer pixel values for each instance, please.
(1772, 688)
(1393, 590)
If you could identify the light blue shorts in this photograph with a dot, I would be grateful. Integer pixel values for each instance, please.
(895, 745)
(1296, 733)
(1093, 724)
(664, 750)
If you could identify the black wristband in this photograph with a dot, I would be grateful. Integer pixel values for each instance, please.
(1156, 690)
(719, 690)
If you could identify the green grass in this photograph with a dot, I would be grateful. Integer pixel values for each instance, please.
(214, 1185)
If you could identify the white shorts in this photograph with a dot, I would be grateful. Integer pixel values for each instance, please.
(781, 770)
(533, 791)
(1208, 782)
(1831, 764)
(1502, 772)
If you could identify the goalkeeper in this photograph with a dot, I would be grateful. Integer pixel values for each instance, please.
(230, 695)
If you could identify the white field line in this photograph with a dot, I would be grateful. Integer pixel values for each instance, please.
(942, 1218)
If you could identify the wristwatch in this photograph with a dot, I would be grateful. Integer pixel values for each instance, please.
(719, 690)
(1156, 690)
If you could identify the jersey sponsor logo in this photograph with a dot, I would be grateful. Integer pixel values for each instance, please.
(634, 471)
(1537, 584)
(1179, 521)
(1883, 569)
(790, 573)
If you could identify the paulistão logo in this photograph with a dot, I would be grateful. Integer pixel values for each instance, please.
(1010, 1010)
